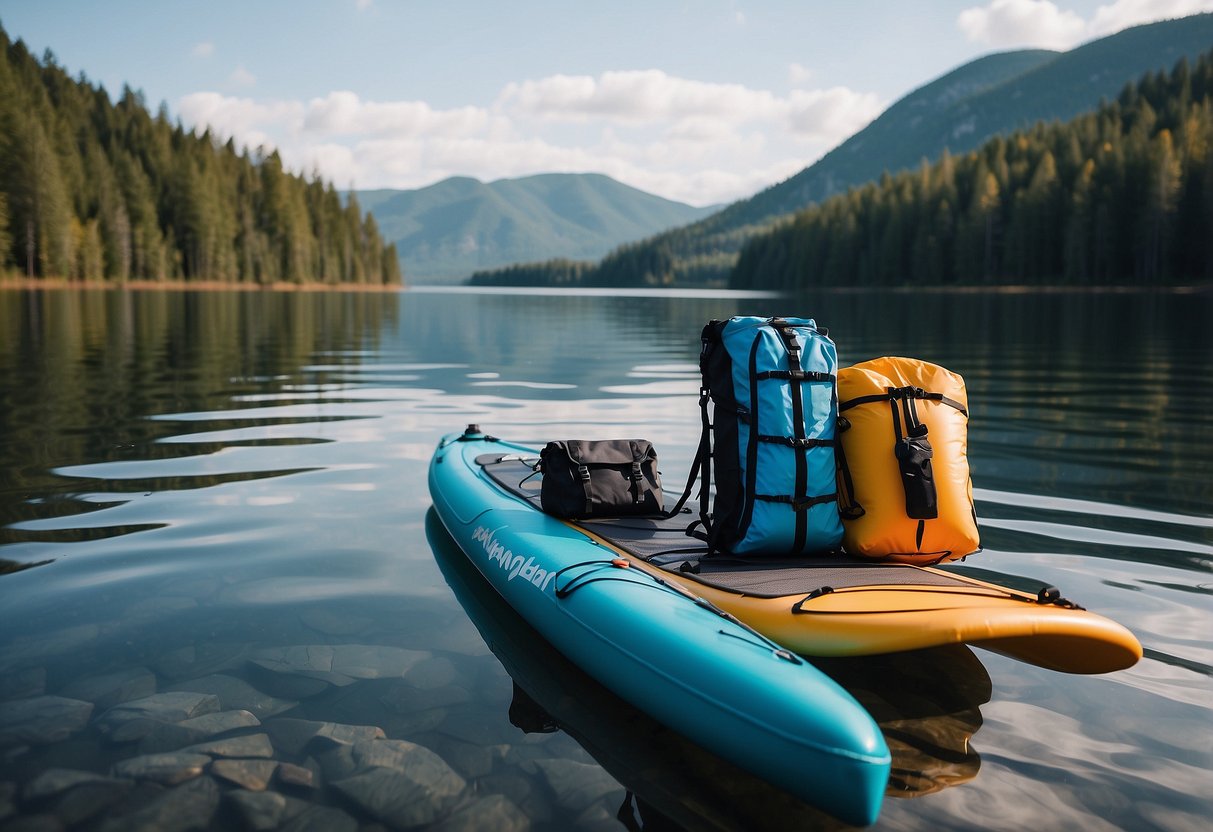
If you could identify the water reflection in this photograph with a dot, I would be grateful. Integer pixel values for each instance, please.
(206, 481)
(926, 703)
(86, 373)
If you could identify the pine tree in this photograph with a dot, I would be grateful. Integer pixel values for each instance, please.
(94, 189)
(1121, 195)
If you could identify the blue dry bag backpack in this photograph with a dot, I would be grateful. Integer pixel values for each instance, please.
(772, 385)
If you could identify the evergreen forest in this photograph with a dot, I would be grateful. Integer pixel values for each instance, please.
(93, 190)
(1123, 195)
(1119, 196)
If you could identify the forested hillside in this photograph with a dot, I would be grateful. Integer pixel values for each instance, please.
(96, 190)
(1123, 195)
(990, 96)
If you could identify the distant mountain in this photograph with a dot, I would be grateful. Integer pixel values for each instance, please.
(990, 96)
(460, 225)
(1117, 196)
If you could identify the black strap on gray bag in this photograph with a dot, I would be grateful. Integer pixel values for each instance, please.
(600, 478)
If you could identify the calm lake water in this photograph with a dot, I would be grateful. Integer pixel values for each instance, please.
(219, 500)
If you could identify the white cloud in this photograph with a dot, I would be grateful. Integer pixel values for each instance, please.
(1006, 23)
(241, 77)
(799, 75)
(830, 115)
(684, 139)
(1040, 23)
(1125, 13)
(633, 96)
(238, 117)
(203, 50)
(344, 113)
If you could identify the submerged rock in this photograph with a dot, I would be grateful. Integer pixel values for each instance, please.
(37, 647)
(187, 807)
(159, 737)
(432, 673)
(313, 661)
(289, 685)
(55, 781)
(259, 810)
(339, 664)
(171, 736)
(519, 790)
(253, 775)
(196, 660)
(168, 769)
(293, 735)
(403, 798)
(405, 699)
(248, 745)
(237, 694)
(290, 774)
(486, 728)
(90, 798)
(493, 813)
(42, 719)
(321, 819)
(176, 706)
(334, 624)
(577, 786)
(109, 689)
(338, 762)
(221, 722)
(405, 756)
(23, 684)
(470, 759)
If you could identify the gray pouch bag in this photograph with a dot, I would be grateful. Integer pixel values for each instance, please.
(599, 478)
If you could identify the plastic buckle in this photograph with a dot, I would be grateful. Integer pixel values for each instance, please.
(583, 471)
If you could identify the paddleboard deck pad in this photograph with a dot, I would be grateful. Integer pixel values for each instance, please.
(842, 606)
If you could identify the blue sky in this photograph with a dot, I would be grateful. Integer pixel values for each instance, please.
(702, 102)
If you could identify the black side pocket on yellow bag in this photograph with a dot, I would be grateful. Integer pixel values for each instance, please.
(917, 479)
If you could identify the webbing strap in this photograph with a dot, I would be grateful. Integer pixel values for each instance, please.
(703, 460)
(800, 375)
(583, 471)
(792, 441)
(639, 488)
(799, 505)
(796, 377)
(903, 393)
(751, 457)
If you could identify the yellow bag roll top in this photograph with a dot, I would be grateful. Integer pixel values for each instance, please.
(904, 432)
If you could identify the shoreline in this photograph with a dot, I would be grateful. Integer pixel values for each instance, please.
(194, 286)
(59, 284)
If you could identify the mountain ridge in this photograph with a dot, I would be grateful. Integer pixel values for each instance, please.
(1008, 91)
(459, 225)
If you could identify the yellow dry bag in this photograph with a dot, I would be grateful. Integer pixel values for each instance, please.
(904, 490)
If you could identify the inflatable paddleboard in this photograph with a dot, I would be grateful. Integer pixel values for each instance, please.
(669, 652)
(845, 606)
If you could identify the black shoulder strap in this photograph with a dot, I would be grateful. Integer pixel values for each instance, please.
(703, 462)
